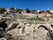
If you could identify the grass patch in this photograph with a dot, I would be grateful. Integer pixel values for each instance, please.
(36, 19)
(7, 19)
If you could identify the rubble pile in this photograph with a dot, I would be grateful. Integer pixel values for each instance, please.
(26, 31)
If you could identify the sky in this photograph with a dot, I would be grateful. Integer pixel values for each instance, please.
(30, 4)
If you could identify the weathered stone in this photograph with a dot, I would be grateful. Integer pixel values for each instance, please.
(3, 39)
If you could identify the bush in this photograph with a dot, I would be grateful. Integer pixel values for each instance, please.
(2, 10)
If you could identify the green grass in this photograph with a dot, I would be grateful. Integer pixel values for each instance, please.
(7, 19)
(36, 19)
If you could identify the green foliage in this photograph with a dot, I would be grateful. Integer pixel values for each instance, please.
(17, 10)
(7, 19)
(4, 19)
(2, 10)
(12, 8)
(36, 19)
(28, 11)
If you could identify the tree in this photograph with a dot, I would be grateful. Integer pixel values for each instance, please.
(41, 12)
(2, 10)
(50, 12)
(19, 10)
(12, 8)
(28, 11)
